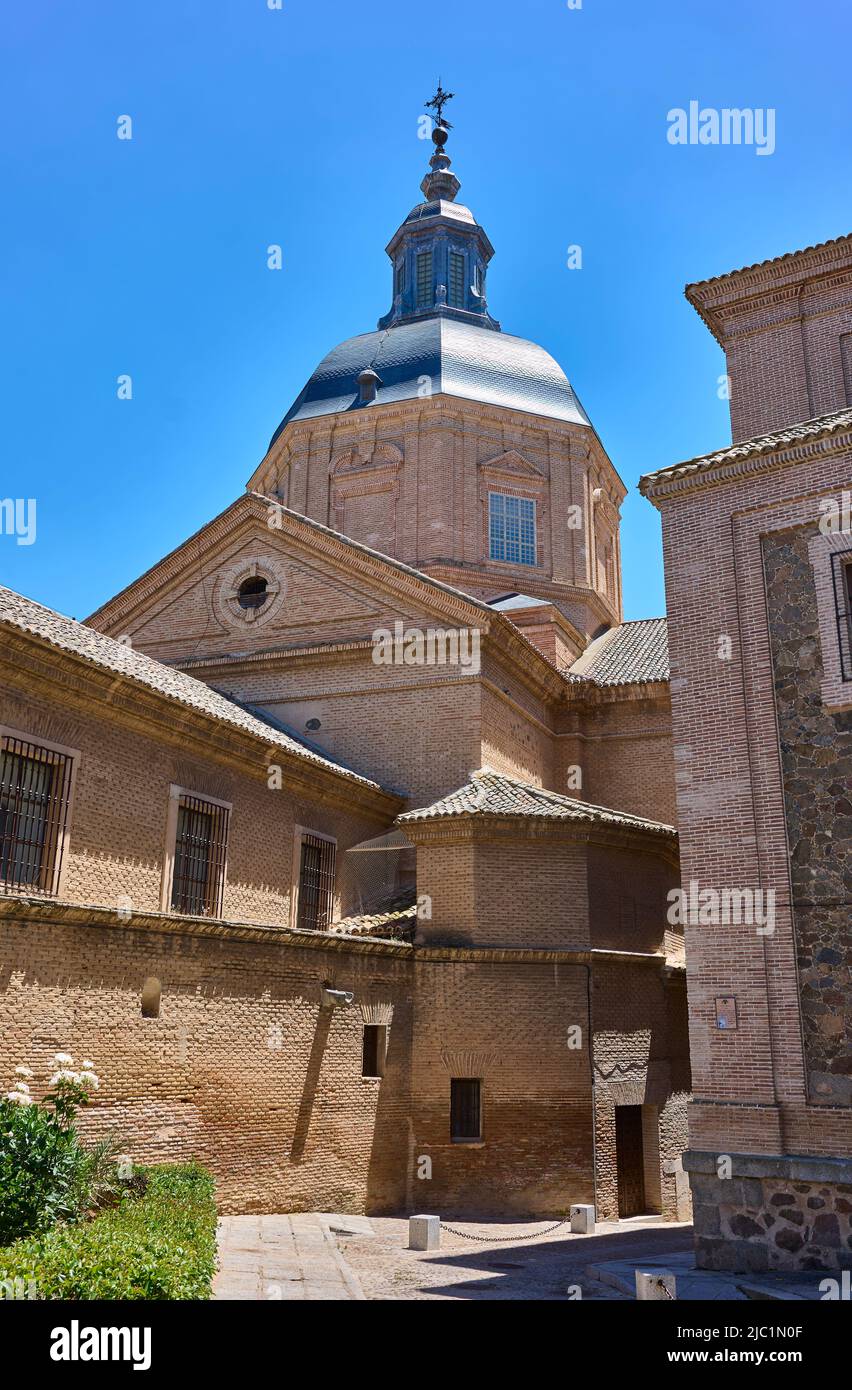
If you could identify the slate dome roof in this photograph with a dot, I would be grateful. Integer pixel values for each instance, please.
(459, 359)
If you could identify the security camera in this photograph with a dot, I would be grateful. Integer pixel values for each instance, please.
(330, 996)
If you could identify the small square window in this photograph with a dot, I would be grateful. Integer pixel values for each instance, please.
(374, 1049)
(465, 1109)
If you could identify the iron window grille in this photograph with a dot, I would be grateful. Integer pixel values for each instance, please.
(316, 882)
(465, 1108)
(201, 846)
(456, 280)
(35, 793)
(511, 529)
(424, 278)
(841, 573)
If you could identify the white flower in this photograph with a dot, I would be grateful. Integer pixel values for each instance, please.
(25, 1072)
(63, 1059)
(63, 1076)
(19, 1098)
(22, 1087)
(88, 1066)
(89, 1079)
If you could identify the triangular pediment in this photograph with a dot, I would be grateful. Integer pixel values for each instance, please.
(320, 589)
(511, 462)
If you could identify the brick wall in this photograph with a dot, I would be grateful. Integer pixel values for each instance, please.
(782, 325)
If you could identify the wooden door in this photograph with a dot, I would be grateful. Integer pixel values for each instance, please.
(629, 1160)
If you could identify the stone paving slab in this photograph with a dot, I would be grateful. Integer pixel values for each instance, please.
(504, 1261)
(706, 1285)
(274, 1258)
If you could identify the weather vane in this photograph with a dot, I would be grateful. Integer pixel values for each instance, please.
(438, 103)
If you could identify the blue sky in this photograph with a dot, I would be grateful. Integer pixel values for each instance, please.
(298, 126)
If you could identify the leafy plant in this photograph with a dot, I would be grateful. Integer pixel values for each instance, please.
(45, 1173)
(42, 1171)
(161, 1245)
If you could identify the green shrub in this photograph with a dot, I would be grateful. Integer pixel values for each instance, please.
(43, 1172)
(161, 1245)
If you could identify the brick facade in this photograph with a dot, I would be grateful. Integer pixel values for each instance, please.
(761, 728)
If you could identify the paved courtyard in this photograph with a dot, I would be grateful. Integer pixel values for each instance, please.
(322, 1255)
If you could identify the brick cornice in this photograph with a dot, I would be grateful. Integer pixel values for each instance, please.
(495, 828)
(818, 439)
(769, 282)
(38, 911)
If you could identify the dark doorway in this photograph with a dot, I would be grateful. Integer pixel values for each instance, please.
(629, 1159)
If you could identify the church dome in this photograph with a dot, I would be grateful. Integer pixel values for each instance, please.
(438, 336)
(439, 354)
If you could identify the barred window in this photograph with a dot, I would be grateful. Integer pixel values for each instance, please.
(511, 529)
(35, 790)
(465, 1108)
(201, 846)
(315, 897)
(841, 565)
(424, 278)
(456, 280)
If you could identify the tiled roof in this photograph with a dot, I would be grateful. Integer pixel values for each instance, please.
(822, 425)
(493, 794)
(394, 920)
(626, 655)
(70, 636)
(460, 359)
(837, 241)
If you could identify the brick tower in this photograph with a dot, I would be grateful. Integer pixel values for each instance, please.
(758, 554)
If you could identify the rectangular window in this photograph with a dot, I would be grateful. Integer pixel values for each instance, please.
(200, 851)
(424, 278)
(841, 564)
(465, 1109)
(456, 280)
(315, 899)
(511, 529)
(374, 1049)
(400, 278)
(35, 791)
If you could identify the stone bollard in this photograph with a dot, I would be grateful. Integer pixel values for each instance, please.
(660, 1285)
(583, 1220)
(424, 1232)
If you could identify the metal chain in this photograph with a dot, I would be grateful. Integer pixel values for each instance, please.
(503, 1240)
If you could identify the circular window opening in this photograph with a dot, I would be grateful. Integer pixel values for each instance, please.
(253, 592)
(313, 724)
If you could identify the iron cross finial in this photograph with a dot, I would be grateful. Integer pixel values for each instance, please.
(437, 104)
